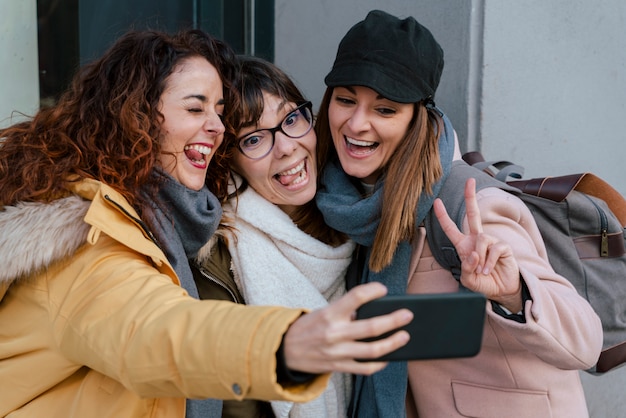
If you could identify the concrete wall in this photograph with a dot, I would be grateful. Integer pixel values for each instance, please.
(554, 86)
(19, 81)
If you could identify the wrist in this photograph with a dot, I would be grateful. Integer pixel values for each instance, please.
(506, 311)
(286, 376)
(512, 304)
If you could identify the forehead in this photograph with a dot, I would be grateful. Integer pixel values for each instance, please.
(270, 109)
(193, 72)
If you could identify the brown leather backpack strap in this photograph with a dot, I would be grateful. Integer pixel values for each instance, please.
(595, 186)
(473, 157)
(611, 357)
(553, 188)
(558, 188)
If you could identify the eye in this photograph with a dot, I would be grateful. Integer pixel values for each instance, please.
(195, 110)
(253, 140)
(292, 118)
(344, 100)
(386, 111)
(220, 110)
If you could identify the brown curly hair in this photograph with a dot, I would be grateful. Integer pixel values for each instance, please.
(106, 125)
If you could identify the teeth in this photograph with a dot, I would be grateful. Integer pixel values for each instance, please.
(356, 142)
(294, 170)
(202, 149)
(295, 176)
(299, 179)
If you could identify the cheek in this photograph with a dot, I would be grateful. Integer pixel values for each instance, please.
(247, 169)
(334, 127)
(395, 130)
(398, 133)
(218, 142)
(310, 142)
(165, 144)
(236, 164)
(333, 116)
(169, 140)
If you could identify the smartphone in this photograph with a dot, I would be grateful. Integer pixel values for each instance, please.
(444, 325)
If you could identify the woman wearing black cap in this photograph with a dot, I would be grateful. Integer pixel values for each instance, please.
(387, 151)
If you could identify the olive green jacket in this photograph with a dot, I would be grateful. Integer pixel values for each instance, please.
(214, 280)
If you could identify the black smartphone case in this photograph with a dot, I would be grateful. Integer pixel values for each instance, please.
(444, 325)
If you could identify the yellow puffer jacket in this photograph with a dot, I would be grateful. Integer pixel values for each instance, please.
(93, 322)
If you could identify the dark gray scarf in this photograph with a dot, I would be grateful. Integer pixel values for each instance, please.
(182, 221)
(345, 209)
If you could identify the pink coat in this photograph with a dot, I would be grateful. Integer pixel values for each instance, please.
(523, 369)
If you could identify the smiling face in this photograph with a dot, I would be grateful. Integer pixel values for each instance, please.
(192, 104)
(366, 129)
(287, 175)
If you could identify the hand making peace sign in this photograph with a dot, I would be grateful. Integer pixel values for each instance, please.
(487, 264)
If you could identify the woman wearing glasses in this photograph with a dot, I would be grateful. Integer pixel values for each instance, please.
(274, 247)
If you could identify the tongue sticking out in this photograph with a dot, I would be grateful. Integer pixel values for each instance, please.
(294, 175)
(194, 155)
(286, 179)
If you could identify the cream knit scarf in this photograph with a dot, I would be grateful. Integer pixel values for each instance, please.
(275, 263)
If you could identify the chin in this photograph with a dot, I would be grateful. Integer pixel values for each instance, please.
(304, 197)
(196, 185)
(309, 196)
(358, 174)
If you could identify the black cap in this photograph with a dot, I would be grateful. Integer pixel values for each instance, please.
(399, 59)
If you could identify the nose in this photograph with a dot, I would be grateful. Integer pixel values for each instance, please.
(284, 145)
(358, 121)
(214, 124)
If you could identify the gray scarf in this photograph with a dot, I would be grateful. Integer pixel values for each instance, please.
(183, 220)
(345, 209)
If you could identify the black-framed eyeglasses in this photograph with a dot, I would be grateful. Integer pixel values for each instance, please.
(256, 145)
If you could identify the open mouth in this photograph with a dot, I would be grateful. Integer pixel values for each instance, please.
(196, 153)
(292, 176)
(360, 147)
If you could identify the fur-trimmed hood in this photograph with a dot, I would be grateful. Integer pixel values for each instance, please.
(34, 235)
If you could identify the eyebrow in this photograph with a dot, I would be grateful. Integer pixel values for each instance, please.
(282, 105)
(353, 91)
(200, 97)
(203, 98)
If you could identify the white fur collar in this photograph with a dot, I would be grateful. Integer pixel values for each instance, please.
(34, 235)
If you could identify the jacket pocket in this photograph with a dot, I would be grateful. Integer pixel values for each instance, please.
(472, 400)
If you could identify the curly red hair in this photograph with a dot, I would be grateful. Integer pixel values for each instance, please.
(106, 125)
